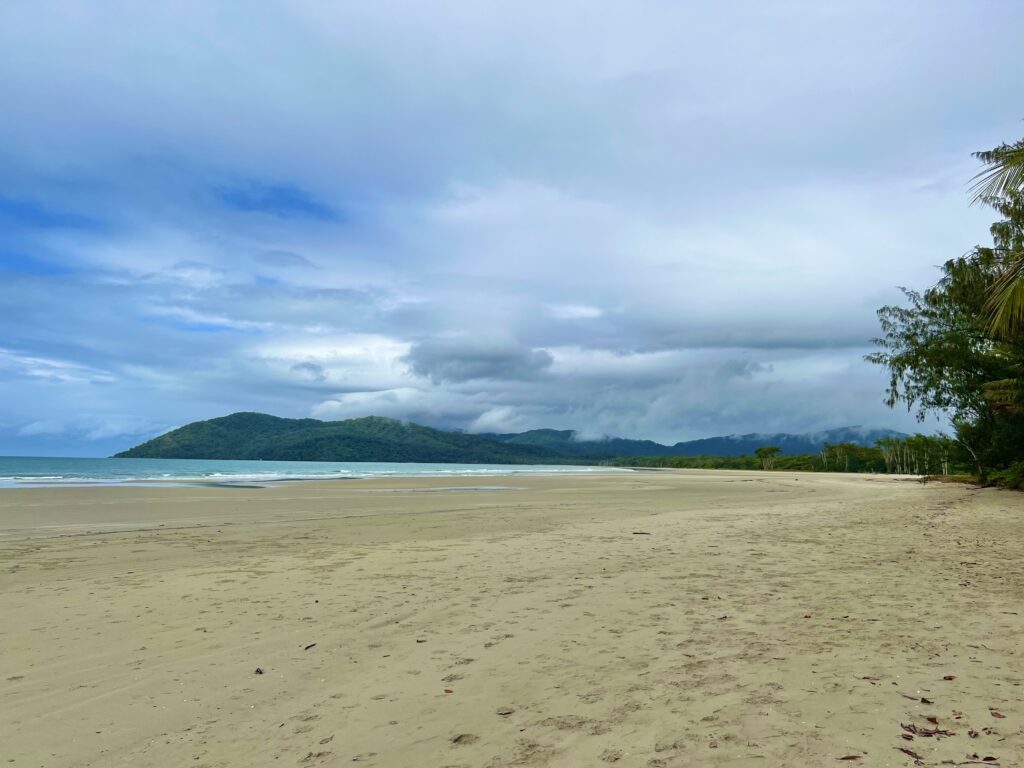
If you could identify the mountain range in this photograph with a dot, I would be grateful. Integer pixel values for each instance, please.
(374, 438)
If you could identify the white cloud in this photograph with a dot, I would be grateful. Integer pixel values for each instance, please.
(574, 311)
(92, 428)
(47, 427)
(49, 368)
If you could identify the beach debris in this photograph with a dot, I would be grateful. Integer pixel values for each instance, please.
(504, 711)
(327, 740)
(713, 744)
(641, 533)
(932, 719)
(921, 699)
(259, 671)
(949, 677)
(421, 640)
(990, 759)
(311, 756)
(972, 733)
(311, 645)
(448, 690)
(996, 713)
(850, 757)
(910, 753)
(910, 728)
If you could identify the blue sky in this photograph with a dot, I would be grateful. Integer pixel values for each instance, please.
(649, 219)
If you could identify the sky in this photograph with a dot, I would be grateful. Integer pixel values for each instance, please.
(648, 219)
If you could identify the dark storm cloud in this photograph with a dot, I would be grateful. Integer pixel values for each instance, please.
(446, 361)
(648, 219)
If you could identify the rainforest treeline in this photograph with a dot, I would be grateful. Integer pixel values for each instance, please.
(915, 455)
(956, 349)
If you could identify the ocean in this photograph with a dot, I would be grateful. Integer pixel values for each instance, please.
(37, 471)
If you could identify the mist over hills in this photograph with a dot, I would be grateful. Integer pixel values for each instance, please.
(565, 442)
(374, 438)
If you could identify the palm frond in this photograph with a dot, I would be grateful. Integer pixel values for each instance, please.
(1002, 175)
(1004, 306)
(1004, 395)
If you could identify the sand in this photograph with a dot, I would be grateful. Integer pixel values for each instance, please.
(647, 619)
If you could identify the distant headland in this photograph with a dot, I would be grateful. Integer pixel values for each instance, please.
(374, 438)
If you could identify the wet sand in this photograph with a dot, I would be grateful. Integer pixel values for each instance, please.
(649, 619)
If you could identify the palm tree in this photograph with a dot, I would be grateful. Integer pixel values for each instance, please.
(1003, 177)
(1005, 303)
(1003, 172)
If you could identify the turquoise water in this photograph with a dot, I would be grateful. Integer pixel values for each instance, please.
(30, 471)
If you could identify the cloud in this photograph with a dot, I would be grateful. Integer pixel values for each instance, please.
(50, 368)
(458, 361)
(422, 405)
(314, 371)
(32, 214)
(91, 429)
(281, 200)
(573, 312)
(486, 217)
(49, 427)
(281, 258)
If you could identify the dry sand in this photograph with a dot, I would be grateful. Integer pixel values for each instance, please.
(766, 620)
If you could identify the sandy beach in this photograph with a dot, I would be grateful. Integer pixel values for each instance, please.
(642, 619)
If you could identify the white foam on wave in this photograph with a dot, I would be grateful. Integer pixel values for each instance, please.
(66, 472)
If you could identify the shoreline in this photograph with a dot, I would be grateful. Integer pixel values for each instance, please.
(639, 619)
(83, 473)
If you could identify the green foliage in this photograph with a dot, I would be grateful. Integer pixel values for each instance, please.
(805, 462)
(1004, 304)
(944, 356)
(926, 455)
(916, 454)
(936, 349)
(766, 455)
(565, 443)
(1011, 477)
(801, 463)
(1002, 174)
(258, 436)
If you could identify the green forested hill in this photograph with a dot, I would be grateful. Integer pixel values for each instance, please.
(565, 443)
(259, 436)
